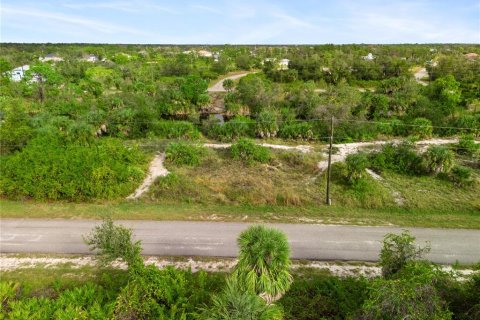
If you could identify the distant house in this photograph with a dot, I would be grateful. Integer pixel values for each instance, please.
(368, 57)
(471, 55)
(283, 64)
(17, 74)
(90, 58)
(205, 54)
(51, 57)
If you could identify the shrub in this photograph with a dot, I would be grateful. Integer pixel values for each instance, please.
(397, 251)
(50, 168)
(439, 159)
(239, 127)
(237, 304)
(266, 125)
(460, 176)
(421, 127)
(299, 130)
(401, 158)
(181, 153)
(247, 151)
(175, 129)
(404, 299)
(114, 242)
(263, 262)
(466, 145)
(313, 297)
(356, 165)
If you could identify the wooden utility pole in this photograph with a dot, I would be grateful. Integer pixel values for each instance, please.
(329, 173)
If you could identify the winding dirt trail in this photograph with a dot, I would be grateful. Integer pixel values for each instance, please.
(421, 74)
(345, 149)
(155, 170)
(218, 86)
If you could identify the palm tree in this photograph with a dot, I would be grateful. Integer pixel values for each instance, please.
(263, 265)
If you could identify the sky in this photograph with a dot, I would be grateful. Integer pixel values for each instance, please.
(240, 21)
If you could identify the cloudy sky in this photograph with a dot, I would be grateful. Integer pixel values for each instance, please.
(241, 21)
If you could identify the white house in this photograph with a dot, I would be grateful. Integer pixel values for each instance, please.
(17, 74)
(283, 64)
(369, 57)
(51, 57)
(205, 54)
(90, 58)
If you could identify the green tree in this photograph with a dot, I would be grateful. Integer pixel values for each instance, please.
(397, 251)
(193, 87)
(44, 76)
(264, 262)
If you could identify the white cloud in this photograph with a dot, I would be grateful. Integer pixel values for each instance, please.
(66, 21)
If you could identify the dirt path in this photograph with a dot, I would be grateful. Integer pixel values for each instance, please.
(420, 74)
(156, 169)
(218, 86)
(300, 148)
(350, 148)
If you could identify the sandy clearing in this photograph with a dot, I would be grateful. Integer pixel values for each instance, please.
(11, 263)
(420, 74)
(300, 148)
(156, 169)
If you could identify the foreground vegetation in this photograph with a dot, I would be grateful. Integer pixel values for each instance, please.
(260, 287)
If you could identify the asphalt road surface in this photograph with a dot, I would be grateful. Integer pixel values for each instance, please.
(218, 239)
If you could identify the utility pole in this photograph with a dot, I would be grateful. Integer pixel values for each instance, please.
(329, 173)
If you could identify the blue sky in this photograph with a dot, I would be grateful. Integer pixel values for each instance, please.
(241, 22)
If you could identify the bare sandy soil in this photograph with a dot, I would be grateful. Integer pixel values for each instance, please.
(11, 263)
(155, 170)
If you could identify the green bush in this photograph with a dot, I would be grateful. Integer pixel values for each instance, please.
(421, 128)
(397, 251)
(266, 125)
(181, 153)
(439, 159)
(234, 303)
(404, 299)
(175, 129)
(401, 158)
(461, 176)
(466, 145)
(247, 151)
(315, 297)
(239, 127)
(50, 168)
(299, 130)
(356, 166)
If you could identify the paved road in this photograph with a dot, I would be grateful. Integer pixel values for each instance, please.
(218, 86)
(308, 241)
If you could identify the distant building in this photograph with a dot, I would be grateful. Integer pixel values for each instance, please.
(368, 57)
(51, 57)
(283, 64)
(90, 58)
(205, 54)
(471, 55)
(17, 74)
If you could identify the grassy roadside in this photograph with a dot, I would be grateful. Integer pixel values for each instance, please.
(261, 213)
